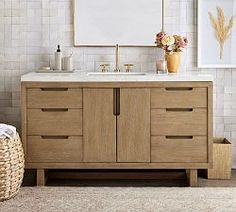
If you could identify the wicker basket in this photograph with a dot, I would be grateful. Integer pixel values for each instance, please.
(11, 167)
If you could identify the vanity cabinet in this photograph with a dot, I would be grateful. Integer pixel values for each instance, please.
(117, 125)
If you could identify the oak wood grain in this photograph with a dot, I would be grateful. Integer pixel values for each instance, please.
(177, 149)
(54, 97)
(68, 122)
(210, 123)
(222, 160)
(164, 122)
(99, 124)
(133, 126)
(192, 176)
(114, 165)
(101, 151)
(179, 97)
(54, 149)
(24, 120)
(40, 177)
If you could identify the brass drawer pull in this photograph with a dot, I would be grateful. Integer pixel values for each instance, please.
(54, 89)
(55, 137)
(179, 109)
(179, 89)
(55, 109)
(179, 137)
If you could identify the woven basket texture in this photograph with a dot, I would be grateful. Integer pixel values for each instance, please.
(11, 167)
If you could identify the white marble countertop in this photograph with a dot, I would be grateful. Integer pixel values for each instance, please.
(80, 76)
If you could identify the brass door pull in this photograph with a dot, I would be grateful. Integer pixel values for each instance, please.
(116, 101)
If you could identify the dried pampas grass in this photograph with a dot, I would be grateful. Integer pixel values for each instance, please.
(222, 30)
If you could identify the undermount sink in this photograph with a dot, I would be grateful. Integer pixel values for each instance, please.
(116, 74)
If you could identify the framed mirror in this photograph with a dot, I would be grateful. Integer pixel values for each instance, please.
(108, 22)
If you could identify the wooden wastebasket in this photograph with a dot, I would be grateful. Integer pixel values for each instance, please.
(222, 160)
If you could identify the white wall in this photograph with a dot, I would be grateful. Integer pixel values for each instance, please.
(31, 29)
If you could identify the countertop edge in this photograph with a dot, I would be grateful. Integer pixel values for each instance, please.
(82, 77)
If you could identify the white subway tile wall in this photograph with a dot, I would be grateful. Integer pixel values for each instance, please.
(31, 29)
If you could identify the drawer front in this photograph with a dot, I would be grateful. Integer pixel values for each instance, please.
(179, 121)
(43, 149)
(54, 121)
(174, 149)
(178, 97)
(54, 98)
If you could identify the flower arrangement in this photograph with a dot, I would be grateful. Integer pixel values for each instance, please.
(171, 43)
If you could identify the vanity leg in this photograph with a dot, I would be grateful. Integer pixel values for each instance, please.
(40, 177)
(192, 177)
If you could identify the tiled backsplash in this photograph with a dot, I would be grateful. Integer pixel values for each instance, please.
(31, 29)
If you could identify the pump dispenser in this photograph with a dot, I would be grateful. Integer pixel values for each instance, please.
(58, 61)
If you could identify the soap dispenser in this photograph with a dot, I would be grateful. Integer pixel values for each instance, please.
(58, 61)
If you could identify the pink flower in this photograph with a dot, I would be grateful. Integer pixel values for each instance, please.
(160, 35)
(170, 43)
(182, 43)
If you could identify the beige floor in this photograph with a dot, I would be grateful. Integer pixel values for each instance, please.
(162, 195)
(122, 199)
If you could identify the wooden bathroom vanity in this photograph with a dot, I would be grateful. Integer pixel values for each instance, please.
(144, 122)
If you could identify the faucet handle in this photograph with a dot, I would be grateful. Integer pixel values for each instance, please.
(128, 67)
(105, 67)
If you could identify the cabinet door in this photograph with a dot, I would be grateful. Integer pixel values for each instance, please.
(99, 126)
(133, 126)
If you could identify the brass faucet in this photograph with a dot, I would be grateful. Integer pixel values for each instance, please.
(117, 68)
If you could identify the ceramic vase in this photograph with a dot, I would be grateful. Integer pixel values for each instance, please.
(173, 61)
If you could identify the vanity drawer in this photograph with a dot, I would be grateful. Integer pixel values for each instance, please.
(43, 149)
(182, 149)
(54, 121)
(54, 98)
(187, 121)
(180, 97)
